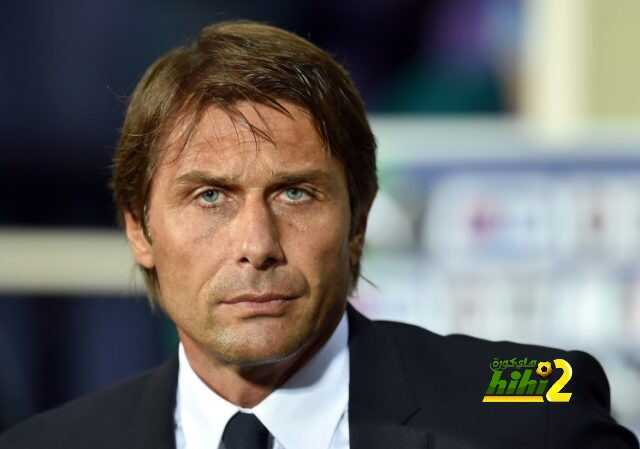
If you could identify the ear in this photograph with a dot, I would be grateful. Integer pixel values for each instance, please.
(140, 245)
(356, 246)
(356, 243)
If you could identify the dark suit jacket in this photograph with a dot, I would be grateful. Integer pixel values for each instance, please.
(409, 389)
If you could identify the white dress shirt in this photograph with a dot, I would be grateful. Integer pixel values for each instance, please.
(308, 412)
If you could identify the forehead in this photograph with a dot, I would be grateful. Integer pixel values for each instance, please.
(257, 134)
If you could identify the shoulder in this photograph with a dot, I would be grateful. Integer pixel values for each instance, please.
(465, 349)
(84, 422)
(472, 357)
(452, 374)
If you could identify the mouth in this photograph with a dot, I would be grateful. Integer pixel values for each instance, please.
(259, 304)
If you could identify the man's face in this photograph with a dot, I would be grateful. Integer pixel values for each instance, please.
(250, 239)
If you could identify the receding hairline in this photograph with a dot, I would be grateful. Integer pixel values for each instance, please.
(180, 130)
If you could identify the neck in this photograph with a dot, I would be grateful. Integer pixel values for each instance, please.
(244, 386)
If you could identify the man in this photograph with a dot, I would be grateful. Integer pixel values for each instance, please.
(244, 174)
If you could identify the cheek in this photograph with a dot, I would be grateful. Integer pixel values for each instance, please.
(318, 245)
(185, 252)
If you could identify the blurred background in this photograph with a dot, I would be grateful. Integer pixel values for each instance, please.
(509, 148)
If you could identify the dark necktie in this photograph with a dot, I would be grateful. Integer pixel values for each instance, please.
(245, 431)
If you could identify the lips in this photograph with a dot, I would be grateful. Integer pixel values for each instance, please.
(259, 298)
(262, 304)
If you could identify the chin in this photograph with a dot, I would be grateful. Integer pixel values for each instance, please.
(259, 348)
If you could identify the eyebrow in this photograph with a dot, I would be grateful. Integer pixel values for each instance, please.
(280, 178)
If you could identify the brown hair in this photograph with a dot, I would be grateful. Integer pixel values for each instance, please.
(243, 61)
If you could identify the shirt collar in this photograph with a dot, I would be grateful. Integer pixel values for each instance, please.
(201, 414)
(304, 412)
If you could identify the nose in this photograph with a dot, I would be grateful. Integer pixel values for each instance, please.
(257, 234)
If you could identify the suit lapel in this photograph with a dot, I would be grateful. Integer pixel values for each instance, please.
(381, 403)
(152, 424)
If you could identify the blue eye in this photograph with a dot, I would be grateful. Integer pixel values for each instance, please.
(295, 194)
(210, 196)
